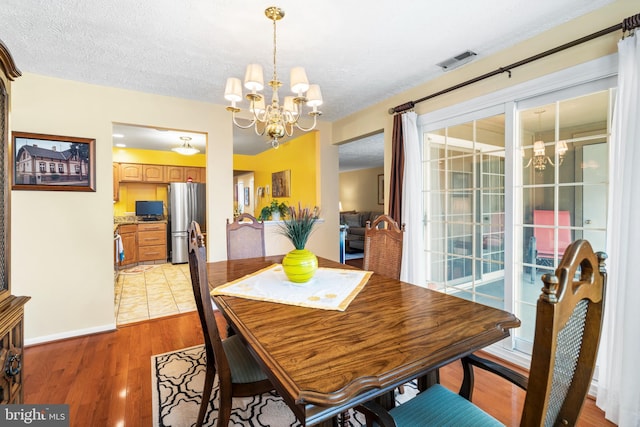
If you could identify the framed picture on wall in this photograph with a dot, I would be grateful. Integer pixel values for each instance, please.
(381, 189)
(281, 184)
(247, 200)
(51, 162)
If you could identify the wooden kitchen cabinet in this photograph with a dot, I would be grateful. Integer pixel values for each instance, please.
(195, 173)
(153, 173)
(116, 182)
(137, 172)
(129, 234)
(175, 174)
(130, 172)
(152, 241)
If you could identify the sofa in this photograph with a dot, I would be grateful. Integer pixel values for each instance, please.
(356, 223)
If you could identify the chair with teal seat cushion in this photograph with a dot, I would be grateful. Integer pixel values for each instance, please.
(567, 333)
(239, 375)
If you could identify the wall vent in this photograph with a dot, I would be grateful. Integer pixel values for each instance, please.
(456, 61)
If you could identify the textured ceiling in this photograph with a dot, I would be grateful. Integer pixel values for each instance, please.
(358, 52)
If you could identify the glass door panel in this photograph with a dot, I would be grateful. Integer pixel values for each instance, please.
(564, 178)
(464, 209)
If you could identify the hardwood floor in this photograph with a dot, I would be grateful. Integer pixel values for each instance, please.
(106, 378)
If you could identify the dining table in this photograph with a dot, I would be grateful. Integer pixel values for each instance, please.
(323, 362)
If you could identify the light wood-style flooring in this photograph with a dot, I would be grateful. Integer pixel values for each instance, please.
(106, 378)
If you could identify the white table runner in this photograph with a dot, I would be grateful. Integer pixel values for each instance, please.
(329, 289)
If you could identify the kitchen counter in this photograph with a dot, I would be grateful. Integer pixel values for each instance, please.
(123, 220)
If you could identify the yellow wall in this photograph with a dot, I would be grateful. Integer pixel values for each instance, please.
(157, 157)
(132, 191)
(359, 190)
(297, 155)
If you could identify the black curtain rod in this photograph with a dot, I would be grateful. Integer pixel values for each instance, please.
(626, 25)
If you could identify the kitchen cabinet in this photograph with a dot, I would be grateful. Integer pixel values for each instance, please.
(129, 234)
(138, 172)
(116, 182)
(153, 173)
(175, 174)
(152, 241)
(130, 172)
(195, 173)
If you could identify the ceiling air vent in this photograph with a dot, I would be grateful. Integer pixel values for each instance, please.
(456, 61)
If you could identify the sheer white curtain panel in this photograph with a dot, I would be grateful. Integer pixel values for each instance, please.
(413, 258)
(618, 385)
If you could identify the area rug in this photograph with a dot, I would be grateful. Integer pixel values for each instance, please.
(177, 379)
(138, 269)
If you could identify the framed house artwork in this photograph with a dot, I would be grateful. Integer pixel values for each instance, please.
(381, 189)
(50, 162)
(281, 184)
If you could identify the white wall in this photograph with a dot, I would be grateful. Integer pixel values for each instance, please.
(62, 242)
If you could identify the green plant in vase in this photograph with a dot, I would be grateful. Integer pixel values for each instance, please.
(300, 264)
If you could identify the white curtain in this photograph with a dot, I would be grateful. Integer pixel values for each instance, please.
(412, 269)
(618, 378)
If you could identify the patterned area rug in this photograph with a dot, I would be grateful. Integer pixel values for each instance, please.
(177, 380)
(138, 269)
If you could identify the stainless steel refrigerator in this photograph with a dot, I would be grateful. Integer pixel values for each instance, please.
(187, 202)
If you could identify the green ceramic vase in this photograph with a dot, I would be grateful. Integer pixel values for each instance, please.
(300, 265)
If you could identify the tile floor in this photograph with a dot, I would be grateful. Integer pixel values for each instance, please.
(149, 291)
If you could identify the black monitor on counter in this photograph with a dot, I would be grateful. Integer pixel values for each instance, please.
(149, 210)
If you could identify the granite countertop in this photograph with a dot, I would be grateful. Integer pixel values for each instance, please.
(123, 220)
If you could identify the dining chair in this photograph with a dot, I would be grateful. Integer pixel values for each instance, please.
(542, 243)
(245, 237)
(383, 247)
(567, 333)
(239, 375)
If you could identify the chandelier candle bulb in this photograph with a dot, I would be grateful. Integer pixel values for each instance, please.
(233, 90)
(299, 81)
(314, 97)
(253, 78)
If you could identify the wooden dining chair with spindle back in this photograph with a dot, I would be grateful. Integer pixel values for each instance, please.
(239, 375)
(567, 333)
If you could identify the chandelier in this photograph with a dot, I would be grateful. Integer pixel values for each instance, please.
(186, 149)
(276, 120)
(540, 158)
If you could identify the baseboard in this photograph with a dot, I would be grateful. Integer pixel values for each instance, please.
(69, 334)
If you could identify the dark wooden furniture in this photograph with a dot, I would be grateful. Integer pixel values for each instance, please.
(239, 375)
(11, 306)
(323, 362)
(245, 237)
(568, 326)
(383, 247)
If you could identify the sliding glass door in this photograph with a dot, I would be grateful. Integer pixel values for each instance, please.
(506, 189)
(464, 205)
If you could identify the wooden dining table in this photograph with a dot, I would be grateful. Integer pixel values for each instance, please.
(323, 362)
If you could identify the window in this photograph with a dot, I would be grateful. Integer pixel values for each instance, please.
(507, 188)
(43, 167)
(60, 168)
(78, 169)
(52, 167)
